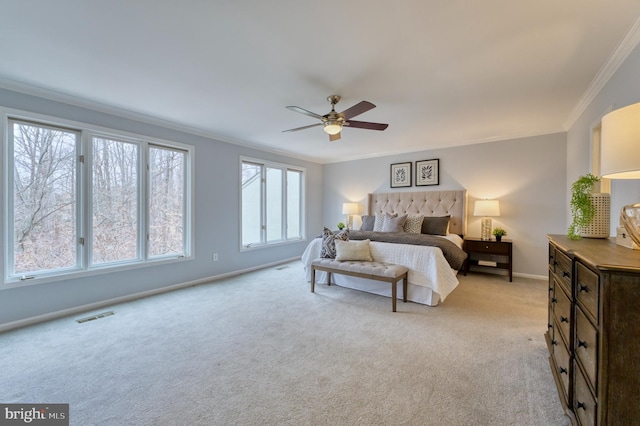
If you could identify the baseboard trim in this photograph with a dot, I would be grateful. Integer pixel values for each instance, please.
(122, 299)
(533, 277)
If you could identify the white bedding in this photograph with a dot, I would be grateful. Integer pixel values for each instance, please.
(431, 279)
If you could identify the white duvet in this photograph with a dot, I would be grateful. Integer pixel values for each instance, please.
(428, 270)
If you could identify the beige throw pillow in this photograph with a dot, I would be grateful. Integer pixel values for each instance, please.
(353, 250)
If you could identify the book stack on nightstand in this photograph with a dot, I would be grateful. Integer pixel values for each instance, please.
(489, 253)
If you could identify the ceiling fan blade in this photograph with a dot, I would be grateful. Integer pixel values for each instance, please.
(366, 125)
(305, 112)
(302, 128)
(333, 138)
(357, 109)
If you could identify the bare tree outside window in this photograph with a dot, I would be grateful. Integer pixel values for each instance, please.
(114, 200)
(166, 201)
(44, 197)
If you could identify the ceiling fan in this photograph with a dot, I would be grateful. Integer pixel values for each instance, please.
(334, 121)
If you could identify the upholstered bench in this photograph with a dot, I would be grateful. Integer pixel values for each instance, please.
(372, 270)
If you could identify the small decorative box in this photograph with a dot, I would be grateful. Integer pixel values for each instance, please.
(623, 239)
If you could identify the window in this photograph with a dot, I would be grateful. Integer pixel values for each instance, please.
(166, 201)
(272, 203)
(44, 196)
(137, 205)
(115, 207)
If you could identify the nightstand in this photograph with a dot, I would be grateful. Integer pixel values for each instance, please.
(485, 253)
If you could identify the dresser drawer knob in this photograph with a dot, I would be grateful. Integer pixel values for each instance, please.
(584, 288)
(581, 405)
(555, 263)
(554, 343)
(554, 300)
(566, 274)
(582, 344)
(563, 371)
(564, 319)
(549, 325)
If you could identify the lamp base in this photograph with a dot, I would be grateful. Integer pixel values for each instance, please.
(485, 229)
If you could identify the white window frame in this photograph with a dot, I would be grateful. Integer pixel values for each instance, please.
(264, 243)
(84, 204)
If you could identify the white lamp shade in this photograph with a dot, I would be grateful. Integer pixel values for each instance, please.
(620, 143)
(487, 208)
(349, 208)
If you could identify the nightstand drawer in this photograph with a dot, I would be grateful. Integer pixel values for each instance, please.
(490, 247)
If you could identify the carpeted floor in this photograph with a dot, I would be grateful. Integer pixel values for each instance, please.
(261, 349)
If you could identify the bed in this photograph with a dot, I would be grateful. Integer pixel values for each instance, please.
(431, 276)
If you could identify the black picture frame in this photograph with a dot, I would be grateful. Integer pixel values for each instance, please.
(428, 172)
(401, 175)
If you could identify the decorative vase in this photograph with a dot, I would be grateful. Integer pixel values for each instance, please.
(630, 219)
(600, 225)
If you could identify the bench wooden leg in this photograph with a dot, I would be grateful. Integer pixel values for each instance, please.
(404, 288)
(328, 278)
(394, 293)
(313, 279)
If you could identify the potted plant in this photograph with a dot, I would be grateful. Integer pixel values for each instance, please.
(499, 233)
(341, 226)
(586, 207)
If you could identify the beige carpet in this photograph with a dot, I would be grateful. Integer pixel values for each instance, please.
(261, 349)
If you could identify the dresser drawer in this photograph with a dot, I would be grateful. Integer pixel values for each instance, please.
(586, 346)
(563, 270)
(490, 247)
(584, 404)
(562, 312)
(552, 257)
(562, 360)
(588, 289)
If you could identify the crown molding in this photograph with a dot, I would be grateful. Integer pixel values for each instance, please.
(40, 92)
(619, 55)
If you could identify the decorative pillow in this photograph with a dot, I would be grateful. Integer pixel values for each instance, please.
(329, 242)
(377, 226)
(435, 225)
(413, 224)
(394, 224)
(367, 223)
(353, 250)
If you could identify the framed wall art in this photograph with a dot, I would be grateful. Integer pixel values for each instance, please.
(428, 172)
(400, 175)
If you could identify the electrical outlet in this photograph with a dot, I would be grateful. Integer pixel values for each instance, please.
(215, 257)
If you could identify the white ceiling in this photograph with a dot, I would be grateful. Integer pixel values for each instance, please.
(442, 73)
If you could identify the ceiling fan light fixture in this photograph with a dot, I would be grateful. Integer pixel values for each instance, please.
(333, 127)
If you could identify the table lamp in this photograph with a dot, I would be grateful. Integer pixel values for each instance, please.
(349, 209)
(486, 209)
(620, 157)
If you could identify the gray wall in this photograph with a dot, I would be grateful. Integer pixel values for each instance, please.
(526, 175)
(216, 220)
(622, 89)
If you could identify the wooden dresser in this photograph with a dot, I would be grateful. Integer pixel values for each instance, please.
(594, 329)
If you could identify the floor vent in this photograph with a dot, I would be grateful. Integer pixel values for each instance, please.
(281, 268)
(95, 317)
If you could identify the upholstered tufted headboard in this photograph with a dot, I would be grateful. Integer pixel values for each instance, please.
(428, 203)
